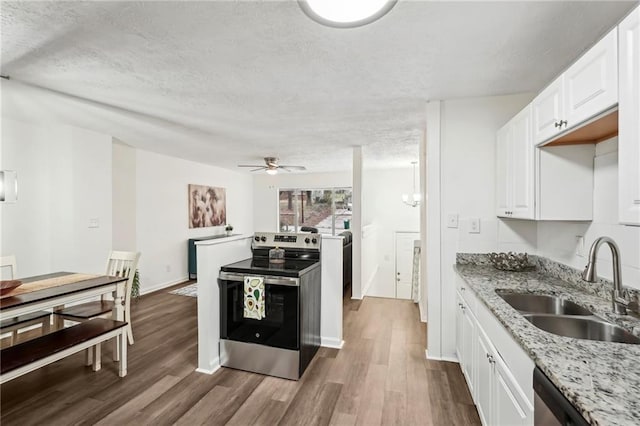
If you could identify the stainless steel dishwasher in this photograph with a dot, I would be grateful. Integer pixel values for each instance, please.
(551, 408)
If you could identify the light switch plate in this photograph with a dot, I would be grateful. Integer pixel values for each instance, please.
(94, 222)
(474, 225)
(452, 220)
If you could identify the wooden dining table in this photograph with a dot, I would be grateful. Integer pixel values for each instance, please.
(58, 289)
(51, 292)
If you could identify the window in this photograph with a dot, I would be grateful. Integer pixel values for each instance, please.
(328, 210)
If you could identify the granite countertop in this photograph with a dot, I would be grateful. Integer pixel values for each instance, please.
(601, 379)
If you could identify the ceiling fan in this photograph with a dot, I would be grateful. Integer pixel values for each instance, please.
(271, 166)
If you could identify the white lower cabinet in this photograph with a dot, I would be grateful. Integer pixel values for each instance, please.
(508, 406)
(498, 372)
(466, 325)
(484, 399)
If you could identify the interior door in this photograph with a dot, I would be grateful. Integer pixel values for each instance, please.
(404, 263)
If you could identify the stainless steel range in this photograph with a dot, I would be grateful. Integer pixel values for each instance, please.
(283, 337)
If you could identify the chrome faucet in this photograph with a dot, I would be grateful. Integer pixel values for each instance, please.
(619, 296)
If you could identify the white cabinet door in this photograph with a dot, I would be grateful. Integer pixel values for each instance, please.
(522, 166)
(502, 172)
(469, 337)
(509, 408)
(459, 323)
(484, 389)
(548, 110)
(515, 168)
(629, 121)
(591, 83)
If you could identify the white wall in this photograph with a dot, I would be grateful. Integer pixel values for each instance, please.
(124, 197)
(468, 128)
(162, 227)
(557, 240)
(64, 177)
(387, 213)
(265, 192)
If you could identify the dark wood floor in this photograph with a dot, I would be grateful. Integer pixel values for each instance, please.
(381, 376)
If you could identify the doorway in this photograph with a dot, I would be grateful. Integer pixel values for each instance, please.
(404, 251)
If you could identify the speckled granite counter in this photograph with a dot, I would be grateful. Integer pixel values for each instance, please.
(601, 379)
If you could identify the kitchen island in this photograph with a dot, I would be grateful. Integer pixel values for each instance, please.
(600, 379)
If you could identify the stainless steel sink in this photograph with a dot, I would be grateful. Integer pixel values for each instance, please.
(542, 304)
(582, 328)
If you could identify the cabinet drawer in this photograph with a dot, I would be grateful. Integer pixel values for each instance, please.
(466, 294)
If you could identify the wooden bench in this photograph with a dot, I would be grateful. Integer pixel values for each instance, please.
(12, 325)
(33, 354)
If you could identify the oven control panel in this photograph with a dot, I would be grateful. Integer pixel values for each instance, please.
(287, 240)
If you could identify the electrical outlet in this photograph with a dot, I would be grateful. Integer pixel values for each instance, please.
(168, 268)
(452, 220)
(474, 225)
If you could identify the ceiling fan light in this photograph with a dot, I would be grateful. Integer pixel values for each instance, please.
(272, 172)
(346, 13)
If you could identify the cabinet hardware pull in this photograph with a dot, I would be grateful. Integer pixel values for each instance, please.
(463, 288)
(557, 124)
(636, 201)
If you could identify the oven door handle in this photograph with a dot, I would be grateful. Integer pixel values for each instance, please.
(291, 282)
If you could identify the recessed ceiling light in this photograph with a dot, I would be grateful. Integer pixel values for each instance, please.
(346, 13)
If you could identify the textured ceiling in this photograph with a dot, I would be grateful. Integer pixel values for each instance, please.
(229, 82)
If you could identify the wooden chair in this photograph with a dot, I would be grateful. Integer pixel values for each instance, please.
(13, 325)
(121, 264)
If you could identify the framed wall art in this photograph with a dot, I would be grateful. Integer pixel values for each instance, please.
(207, 206)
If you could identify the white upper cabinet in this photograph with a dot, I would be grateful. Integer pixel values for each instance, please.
(629, 120)
(522, 169)
(588, 88)
(541, 183)
(591, 84)
(515, 186)
(548, 110)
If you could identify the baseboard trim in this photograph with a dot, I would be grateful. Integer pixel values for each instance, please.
(441, 358)
(162, 286)
(423, 312)
(214, 366)
(330, 342)
(205, 371)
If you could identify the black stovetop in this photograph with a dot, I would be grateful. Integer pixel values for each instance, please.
(261, 266)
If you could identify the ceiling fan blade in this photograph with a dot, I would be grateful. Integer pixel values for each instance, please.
(259, 168)
(249, 165)
(294, 167)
